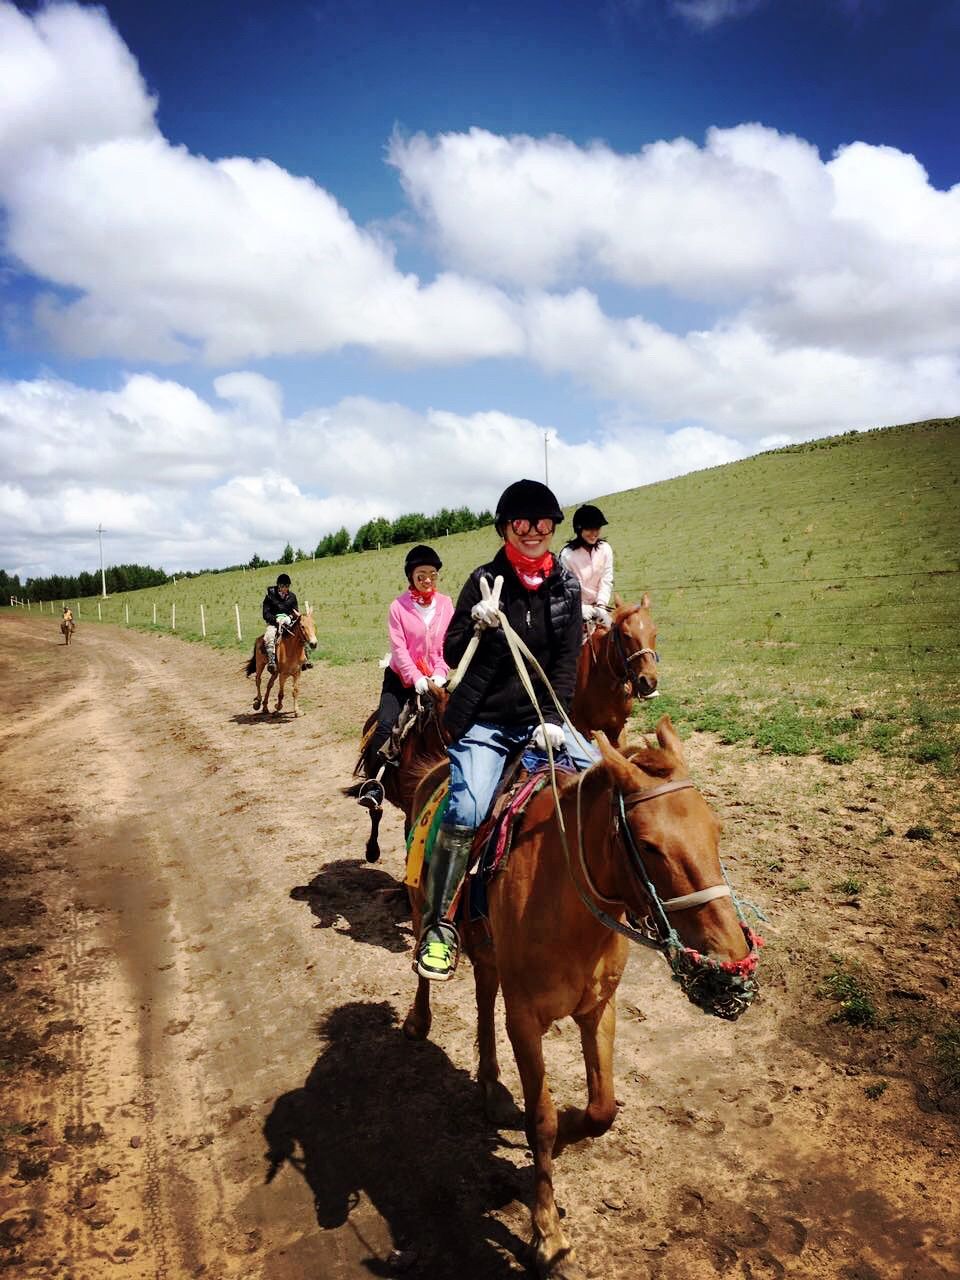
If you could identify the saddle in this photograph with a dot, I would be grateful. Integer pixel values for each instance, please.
(524, 777)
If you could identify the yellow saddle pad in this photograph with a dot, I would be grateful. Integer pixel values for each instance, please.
(423, 833)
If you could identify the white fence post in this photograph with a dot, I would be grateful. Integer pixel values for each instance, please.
(126, 614)
(154, 613)
(99, 614)
(173, 617)
(28, 606)
(78, 608)
(203, 624)
(236, 609)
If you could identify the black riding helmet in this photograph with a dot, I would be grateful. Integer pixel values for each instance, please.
(527, 498)
(588, 517)
(283, 579)
(419, 556)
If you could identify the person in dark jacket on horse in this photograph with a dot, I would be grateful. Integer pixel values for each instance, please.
(279, 607)
(489, 715)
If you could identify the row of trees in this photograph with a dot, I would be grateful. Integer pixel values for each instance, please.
(381, 532)
(62, 586)
(412, 527)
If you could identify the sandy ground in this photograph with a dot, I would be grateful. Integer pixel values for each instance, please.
(202, 984)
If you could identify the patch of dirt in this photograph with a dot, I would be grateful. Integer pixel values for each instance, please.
(191, 938)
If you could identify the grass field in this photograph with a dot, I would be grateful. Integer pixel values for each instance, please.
(807, 598)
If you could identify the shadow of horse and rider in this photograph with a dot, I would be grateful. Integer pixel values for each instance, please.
(398, 1124)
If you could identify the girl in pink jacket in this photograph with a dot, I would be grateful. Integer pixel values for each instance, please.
(417, 624)
(589, 557)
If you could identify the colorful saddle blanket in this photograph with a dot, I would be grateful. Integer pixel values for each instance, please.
(494, 839)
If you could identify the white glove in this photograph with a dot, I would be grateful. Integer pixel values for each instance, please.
(438, 679)
(588, 612)
(484, 612)
(421, 684)
(283, 619)
(544, 733)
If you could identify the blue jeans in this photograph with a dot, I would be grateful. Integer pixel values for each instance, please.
(476, 763)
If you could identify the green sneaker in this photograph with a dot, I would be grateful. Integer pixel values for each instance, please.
(437, 954)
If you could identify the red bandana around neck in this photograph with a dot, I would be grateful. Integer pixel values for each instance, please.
(423, 597)
(531, 572)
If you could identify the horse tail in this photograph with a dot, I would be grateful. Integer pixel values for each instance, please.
(251, 666)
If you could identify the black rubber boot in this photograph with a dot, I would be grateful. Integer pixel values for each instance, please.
(439, 946)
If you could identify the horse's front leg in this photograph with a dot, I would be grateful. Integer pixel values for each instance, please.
(416, 1025)
(296, 692)
(552, 1253)
(266, 697)
(282, 680)
(597, 1029)
(498, 1106)
(258, 700)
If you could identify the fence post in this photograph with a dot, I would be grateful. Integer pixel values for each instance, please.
(173, 617)
(203, 624)
(99, 614)
(78, 608)
(154, 613)
(28, 606)
(236, 609)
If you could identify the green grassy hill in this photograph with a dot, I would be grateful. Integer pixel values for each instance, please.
(807, 598)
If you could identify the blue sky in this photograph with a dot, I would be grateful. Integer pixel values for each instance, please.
(268, 269)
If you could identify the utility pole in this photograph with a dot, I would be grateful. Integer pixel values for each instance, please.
(103, 580)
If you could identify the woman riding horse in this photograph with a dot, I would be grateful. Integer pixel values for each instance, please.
(417, 624)
(489, 715)
(589, 557)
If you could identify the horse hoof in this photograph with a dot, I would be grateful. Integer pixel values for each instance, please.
(256, 705)
(499, 1108)
(414, 1029)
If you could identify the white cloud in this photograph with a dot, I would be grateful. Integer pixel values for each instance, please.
(185, 483)
(706, 14)
(733, 378)
(66, 80)
(859, 253)
(175, 256)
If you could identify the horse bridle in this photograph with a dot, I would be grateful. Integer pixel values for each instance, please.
(656, 931)
(628, 675)
(722, 987)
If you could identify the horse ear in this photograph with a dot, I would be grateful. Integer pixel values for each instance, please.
(669, 739)
(617, 600)
(621, 772)
(645, 602)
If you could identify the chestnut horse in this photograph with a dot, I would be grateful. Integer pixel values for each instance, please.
(640, 842)
(617, 664)
(424, 743)
(291, 654)
(68, 627)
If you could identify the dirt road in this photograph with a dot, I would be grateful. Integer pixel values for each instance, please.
(202, 987)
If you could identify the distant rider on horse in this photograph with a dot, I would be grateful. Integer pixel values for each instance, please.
(417, 624)
(490, 716)
(279, 610)
(589, 557)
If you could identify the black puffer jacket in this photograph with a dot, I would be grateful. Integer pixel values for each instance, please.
(549, 622)
(274, 603)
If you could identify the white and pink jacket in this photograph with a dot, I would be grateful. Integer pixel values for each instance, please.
(593, 568)
(416, 637)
